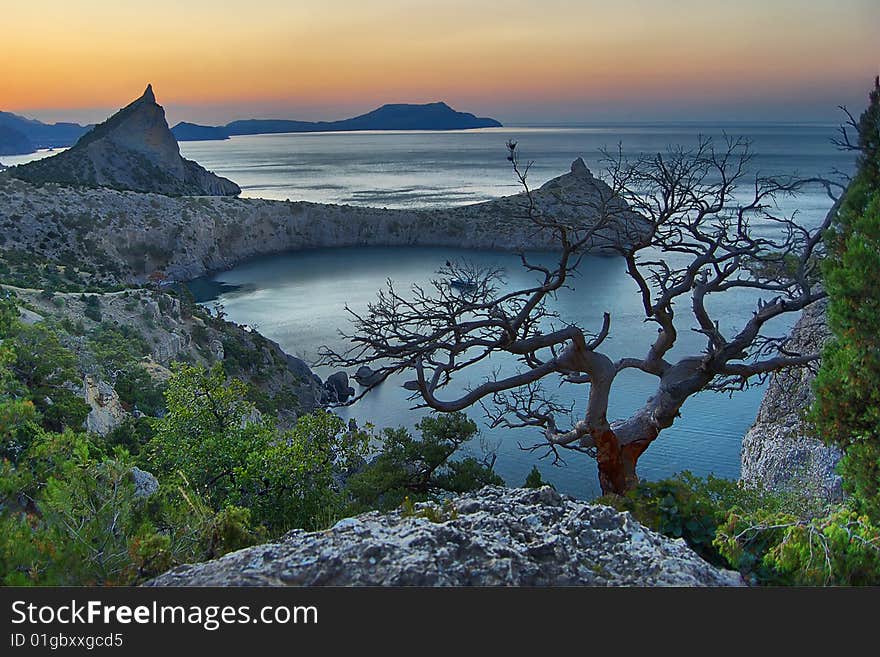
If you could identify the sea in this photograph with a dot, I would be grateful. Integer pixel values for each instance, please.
(302, 300)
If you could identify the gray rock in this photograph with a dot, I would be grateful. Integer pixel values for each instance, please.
(777, 452)
(499, 537)
(217, 351)
(107, 411)
(145, 484)
(29, 316)
(337, 385)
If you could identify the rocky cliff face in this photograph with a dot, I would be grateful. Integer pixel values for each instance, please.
(777, 451)
(132, 150)
(127, 235)
(494, 537)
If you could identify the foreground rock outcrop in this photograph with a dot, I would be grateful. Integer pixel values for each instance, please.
(495, 537)
(777, 452)
(132, 150)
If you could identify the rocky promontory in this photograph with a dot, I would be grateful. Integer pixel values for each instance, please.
(778, 451)
(132, 150)
(125, 236)
(493, 537)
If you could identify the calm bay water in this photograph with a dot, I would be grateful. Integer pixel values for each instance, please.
(299, 299)
(425, 169)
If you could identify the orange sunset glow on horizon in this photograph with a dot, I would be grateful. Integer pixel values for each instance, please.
(516, 60)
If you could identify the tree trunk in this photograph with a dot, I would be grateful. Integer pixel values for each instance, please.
(617, 463)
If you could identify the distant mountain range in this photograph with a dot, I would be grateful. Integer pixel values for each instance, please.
(132, 150)
(19, 136)
(401, 116)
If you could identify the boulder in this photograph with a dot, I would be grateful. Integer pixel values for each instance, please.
(107, 411)
(29, 316)
(495, 537)
(337, 386)
(145, 484)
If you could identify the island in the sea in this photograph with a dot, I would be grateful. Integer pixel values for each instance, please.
(399, 116)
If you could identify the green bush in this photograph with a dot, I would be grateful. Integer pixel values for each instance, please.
(840, 548)
(46, 370)
(535, 480)
(232, 457)
(696, 509)
(418, 468)
(92, 308)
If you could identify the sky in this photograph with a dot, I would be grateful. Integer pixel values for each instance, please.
(540, 61)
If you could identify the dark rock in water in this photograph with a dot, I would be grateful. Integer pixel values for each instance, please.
(411, 385)
(132, 150)
(367, 376)
(497, 537)
(778, 452)
(337, 385)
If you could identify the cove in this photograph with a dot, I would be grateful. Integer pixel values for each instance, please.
(298, 299)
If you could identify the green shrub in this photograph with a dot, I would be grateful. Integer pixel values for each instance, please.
(535, 480)
(695, 509)
(48, 370)
(232, 457)
(840, 548)
(418, 468)
(92, 308)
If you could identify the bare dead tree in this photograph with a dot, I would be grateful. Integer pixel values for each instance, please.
(682, 222)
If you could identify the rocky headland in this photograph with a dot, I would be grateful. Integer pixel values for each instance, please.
(118, 236)
(493, 537)
(132, 150)
(20, 135)
(123, 208)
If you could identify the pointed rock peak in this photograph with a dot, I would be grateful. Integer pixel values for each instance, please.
(148, 94)
(580, 167)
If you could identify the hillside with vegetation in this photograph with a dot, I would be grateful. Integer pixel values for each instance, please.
(170, 457)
